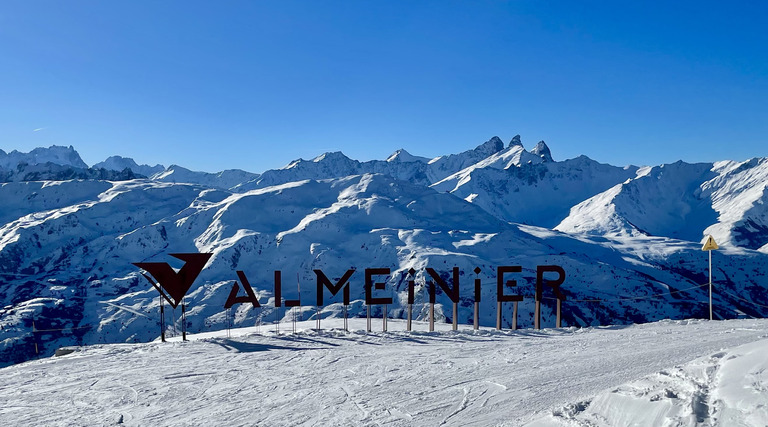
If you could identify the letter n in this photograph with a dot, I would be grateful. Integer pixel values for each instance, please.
(452, 292)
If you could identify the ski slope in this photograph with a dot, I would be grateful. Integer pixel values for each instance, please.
(396, 378)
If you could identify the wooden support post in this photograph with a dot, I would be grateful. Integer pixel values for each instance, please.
(431, 317)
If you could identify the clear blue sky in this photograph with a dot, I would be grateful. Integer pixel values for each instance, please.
(253, 85)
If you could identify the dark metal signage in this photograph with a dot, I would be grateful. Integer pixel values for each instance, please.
(173, 286)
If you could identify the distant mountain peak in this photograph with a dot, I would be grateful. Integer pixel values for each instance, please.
(542, 151)
(405, 157)
(119, 163)
(515, 141)
(331, 155)
(492, 146)
(56, 154)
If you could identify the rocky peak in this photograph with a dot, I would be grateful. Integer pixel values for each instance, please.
(56, 154)
(492, 146)
(542, 151)
(515, 141)
(119, 163)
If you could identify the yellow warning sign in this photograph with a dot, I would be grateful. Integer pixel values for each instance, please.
(710, 244)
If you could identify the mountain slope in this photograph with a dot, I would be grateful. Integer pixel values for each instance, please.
(516, 186)
(631, 251)
(680, 200)
(70, 267)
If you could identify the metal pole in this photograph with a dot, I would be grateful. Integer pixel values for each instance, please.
(455, 325)
(368, 318)
(227, 316)
(514, 315)
(318, 319)
(710, 285)
(183, 321)
(410, 317)
(559, 303)
(162, 321)
(34, 337)
(476, 324)
(258, 321)
(384, 319)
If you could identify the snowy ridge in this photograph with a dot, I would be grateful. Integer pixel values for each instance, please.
(739, 196)
(225, 180)
(680, 200)
(400, 165)
(516, 186)
(118, 163)
(56, 154)
(403, 156)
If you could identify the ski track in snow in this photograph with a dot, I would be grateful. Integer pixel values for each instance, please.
(727, 388)
(395, 378)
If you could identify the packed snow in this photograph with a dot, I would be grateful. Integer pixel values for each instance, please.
(682, 373)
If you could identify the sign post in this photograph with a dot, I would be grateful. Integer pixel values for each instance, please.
(709, 246)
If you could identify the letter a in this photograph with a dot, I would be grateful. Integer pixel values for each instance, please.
(234, 299)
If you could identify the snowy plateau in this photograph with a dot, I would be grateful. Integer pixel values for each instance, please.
(629, 239)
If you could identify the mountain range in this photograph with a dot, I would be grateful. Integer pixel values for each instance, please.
(629, 239)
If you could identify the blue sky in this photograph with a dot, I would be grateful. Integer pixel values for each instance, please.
(255, 84)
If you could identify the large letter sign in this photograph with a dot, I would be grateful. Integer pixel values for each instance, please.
(173, 286)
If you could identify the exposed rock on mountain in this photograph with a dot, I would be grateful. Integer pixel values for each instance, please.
(627, 238)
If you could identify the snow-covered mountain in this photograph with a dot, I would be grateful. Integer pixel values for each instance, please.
(66, 246)
(59, 155)
(400, 165)
(516, 186)
(119, 163)
(228, 179)
(680, 200)
(54, 163)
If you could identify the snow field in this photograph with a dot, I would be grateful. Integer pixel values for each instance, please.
(396, 378)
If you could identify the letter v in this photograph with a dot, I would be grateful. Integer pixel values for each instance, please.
(176, 284)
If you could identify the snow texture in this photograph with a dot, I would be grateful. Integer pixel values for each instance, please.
(602, 376)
